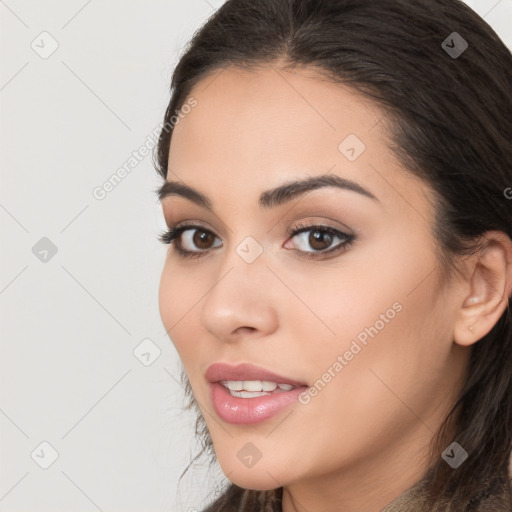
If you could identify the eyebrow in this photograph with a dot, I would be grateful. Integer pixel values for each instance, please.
(270, 198)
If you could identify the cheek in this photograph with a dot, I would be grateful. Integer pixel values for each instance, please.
(370, 400)
(388, 356)
(177, 296)
(358, 295)
(378, 317)
(166, 299)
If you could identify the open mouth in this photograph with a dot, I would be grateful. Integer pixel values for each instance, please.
(255, 388)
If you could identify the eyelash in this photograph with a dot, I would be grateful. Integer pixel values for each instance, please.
(169, 236)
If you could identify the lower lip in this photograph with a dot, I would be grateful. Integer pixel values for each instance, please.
(248, 411)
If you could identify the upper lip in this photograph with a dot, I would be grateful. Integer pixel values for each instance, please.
(245, 371)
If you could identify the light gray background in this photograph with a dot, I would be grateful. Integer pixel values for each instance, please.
(70, 324)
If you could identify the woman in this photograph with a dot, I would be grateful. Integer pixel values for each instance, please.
(337, 178)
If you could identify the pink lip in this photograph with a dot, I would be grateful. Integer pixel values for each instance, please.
(248, 411)
(245, 371)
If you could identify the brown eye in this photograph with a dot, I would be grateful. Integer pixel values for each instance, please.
(319, 240)
(195, 239)
(202, 239)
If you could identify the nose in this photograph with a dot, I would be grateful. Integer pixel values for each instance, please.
(241, 302)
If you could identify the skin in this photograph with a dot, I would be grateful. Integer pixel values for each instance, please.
(364, 438)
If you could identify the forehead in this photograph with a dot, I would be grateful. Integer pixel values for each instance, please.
(252, 130)
(270, 108)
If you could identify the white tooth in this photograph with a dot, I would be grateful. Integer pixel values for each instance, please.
(268, 386)
(252, 394)
(235, 385)
(248, 394)
(252, 385)
(286, 387)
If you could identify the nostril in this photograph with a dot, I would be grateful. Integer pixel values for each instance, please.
(242, 329)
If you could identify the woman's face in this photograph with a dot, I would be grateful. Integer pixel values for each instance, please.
(368, 323)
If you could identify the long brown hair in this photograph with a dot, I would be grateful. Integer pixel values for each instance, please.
(450, 117)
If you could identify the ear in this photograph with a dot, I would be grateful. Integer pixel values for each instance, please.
(490, 284)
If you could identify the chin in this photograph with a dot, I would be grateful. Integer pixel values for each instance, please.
(257, 480)
(263, 475)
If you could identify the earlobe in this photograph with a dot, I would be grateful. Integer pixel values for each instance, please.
(490, 285)
(468, 329)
